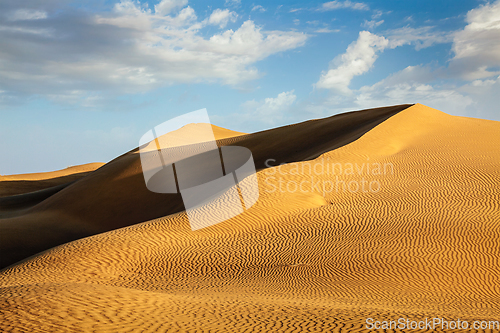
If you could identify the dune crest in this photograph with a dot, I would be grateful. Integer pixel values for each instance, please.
(71, 170)
(189, 133)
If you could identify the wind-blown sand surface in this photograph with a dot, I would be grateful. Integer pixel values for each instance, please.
(426, 244)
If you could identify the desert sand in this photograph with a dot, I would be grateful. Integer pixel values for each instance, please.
(310, 255)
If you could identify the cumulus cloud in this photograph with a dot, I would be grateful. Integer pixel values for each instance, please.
(222, 17)
(358, 59)
(129, 50)
(477, 46)
(476, 58)
(361, 55)
(333, 5)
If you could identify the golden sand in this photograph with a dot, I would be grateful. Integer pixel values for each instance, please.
(190, 133)
(423, 241)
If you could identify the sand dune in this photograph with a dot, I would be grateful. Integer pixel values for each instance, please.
(115, 195)
(30, 182)
(71, 170)
(21, 192)
(424, 243)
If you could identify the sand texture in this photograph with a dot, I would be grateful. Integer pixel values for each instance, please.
(309, 256)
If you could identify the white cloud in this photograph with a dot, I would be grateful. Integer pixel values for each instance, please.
(376, 14)
(477, 46)
(41, 32)
(133, 49)
(421, 37)
(476, 59)
(222, 17)
(130, 15)
(333, 5)
(405, 87)
(385, 92)
(234, 3)
(27, 14)
(413, 75)
(165, 7)
(418, 84)
(249, 42)
(271, 110)
(358, 59)
(485, 98)
(296, 21)
(326, 30)
(372, 24)
(315, 22)
(477, 99)
(259, 8)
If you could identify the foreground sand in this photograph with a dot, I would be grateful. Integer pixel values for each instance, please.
(426, 244)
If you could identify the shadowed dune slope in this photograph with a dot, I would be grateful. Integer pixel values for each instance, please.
(318, 258)
(17, 204)
(20, 192)
(31, 182)
(115, 195)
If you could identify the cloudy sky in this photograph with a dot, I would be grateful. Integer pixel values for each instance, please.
(81, 81)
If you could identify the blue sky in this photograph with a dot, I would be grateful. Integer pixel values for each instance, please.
(82, 81)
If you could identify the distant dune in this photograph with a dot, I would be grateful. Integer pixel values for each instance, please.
(383, 213)
(71, 170)
(30, 182)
